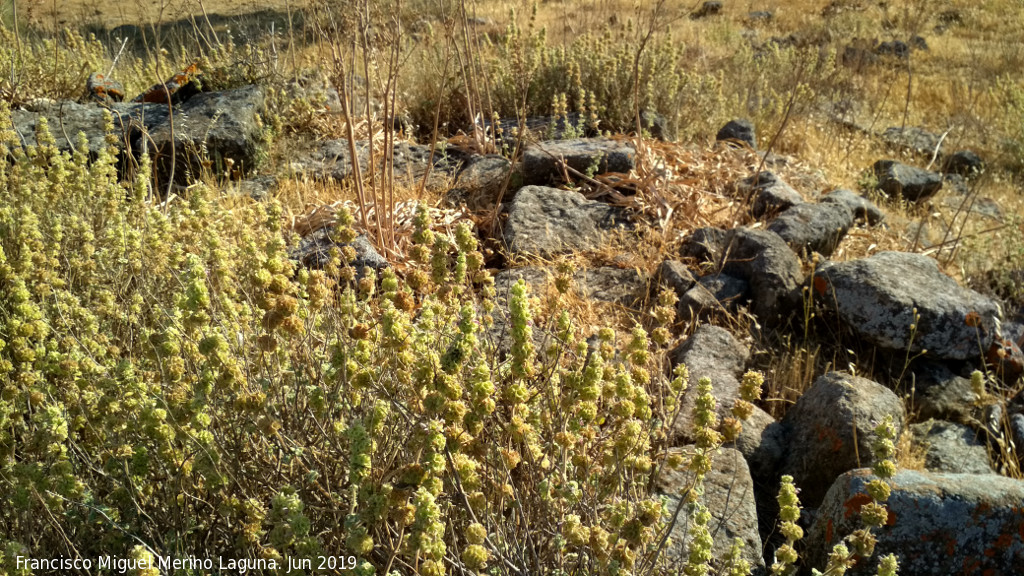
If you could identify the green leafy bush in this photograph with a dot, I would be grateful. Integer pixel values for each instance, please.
(170, 385)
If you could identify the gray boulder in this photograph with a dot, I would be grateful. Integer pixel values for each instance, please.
(543, 161)
(876, 297)
(951, 447)
(940, 524)
(831, 428)
(710, 295)
(963, 162)
(738, 130)
(759, 257)
(548, 221)
(814, 227)
(768, 194)
(480, 183)
(912, 183)
(332, 159)
(714, 353)
(862, 208)
(675, 276)
(223, 127)
(66, 120)
(704, 245)
(939, 393)
(728, 496)
(313, 251)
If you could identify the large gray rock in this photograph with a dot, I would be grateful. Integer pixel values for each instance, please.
(714, 353)
(215, 126)
(939, 393)
(764, 260)
(66, 119)
(675, 276)
(710, 295)
(831, 428)
(332, 159)
(939, 524)
(728, 496)
(963, 162)
(481, 182)
(814, 227)
(548, 221)
(313, 251)
(862, 208)
(912, 183)
(542, 162)
(760, 257)
(768, 194)
(738, 130)
(951, 447)
(876, 297)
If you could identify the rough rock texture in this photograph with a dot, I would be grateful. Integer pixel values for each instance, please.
(940, 524)
(963, 162)
(729, 497)
(741, 130)
(764, 260)
(313, 251)
(220, 126)
(831, 428)
(714, 353)
(726, 289)
(699, 303)
(542, 162)
(814, 227)
(704, 245)
(333, 160)
(876, 298)
(675, 276)
(951, 447)
(547, 221)
(768, 194)
(480, 182)
(862, 208)
(70, 118)
(914, 184)
(939, 393)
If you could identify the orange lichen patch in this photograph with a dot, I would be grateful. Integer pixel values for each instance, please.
(829, 531)
(972, 319)
(854, 504)
(820, 285)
